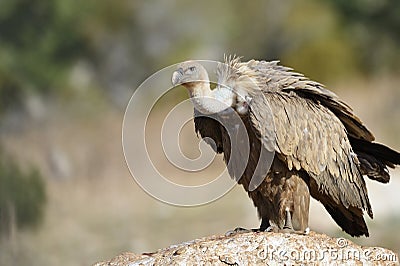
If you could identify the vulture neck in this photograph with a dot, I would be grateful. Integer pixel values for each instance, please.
(209, 101)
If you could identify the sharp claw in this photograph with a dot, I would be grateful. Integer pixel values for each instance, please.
(230, 233)
(272, 228)
(238, 230)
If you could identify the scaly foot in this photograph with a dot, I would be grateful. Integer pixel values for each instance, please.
(240, 230)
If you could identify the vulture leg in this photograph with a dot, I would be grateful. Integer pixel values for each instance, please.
(288, 227)
(264, 224)
(283, 201)
(288, 221)
(295, 207)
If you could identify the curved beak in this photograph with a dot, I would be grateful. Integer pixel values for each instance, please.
(177, 77)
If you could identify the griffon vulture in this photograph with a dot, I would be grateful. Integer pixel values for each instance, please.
(321, 148)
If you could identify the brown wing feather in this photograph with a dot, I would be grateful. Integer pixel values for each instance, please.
(310, 138)
(374, 158)
(274, 77)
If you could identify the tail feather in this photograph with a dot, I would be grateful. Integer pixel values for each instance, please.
(351, 220)
(375, 158)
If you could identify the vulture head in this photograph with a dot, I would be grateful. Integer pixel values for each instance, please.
(190, 74)
(194, 77)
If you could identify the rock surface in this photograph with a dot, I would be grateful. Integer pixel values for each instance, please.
(262, 248)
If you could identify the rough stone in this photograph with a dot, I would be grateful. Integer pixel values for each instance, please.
(262, 248)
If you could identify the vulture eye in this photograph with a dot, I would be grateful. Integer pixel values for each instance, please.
(192, 68)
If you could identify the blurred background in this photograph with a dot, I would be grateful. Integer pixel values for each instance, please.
(68, 69)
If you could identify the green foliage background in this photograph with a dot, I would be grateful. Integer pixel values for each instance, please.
(22, 196)
(41, 41)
